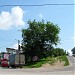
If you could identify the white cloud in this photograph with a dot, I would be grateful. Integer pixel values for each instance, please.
(70, 52)
(40, 15)
(15, 46)
(13, 18)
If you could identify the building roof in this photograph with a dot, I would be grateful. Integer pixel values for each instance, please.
(10, 49)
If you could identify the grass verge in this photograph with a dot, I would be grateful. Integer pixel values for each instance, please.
(50, 60)
(65, 59)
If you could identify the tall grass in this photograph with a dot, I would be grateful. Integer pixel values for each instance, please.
(65, 59)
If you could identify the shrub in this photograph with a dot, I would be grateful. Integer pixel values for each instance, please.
(57, 52)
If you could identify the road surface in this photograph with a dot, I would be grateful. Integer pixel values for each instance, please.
(70, 70)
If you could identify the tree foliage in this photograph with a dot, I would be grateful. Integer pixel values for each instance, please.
(73, 51)
(57, 52)
(39, 38)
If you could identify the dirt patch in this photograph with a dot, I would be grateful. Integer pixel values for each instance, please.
(56, 65)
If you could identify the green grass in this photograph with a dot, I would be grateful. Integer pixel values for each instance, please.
(65, 59)
(50, 60)
(38, 64)
(35, 64)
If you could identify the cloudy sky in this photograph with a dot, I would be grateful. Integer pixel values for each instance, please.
(14, 18)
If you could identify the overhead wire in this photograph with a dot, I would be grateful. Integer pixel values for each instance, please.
(35, 5)
(6, 45)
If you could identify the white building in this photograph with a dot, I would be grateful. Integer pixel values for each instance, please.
(12, 51)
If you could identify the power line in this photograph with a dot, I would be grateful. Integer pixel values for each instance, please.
(35, 5)
(10, 44)
(6, 45)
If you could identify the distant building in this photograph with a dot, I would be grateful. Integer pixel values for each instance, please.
(4, 55)
(12, 51)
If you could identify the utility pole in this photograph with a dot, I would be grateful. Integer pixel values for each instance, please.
(19, 45)
(19, 51)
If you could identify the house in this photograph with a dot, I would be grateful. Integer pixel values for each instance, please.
(12, 51)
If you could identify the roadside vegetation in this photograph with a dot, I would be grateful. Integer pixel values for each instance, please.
(73, 51)
(65, 59)
(38, 43)
(49, 60)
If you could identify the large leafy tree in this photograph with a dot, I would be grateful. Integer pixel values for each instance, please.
(39, 38)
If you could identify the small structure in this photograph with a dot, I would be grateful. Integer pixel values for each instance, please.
(12, 51)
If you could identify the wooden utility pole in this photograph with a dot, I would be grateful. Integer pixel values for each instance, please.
(19, 51)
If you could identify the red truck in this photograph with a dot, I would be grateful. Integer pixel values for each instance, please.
(4, 63)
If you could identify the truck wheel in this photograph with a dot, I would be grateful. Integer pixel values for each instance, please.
(8, 66)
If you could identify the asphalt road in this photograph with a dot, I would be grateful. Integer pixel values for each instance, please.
(70, 70)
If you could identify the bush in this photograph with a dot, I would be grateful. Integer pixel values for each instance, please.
(65, 59)
(57, 52)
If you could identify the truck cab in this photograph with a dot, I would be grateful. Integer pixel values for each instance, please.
(4, 63)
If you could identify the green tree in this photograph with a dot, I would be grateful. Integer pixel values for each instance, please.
(39, 38)
(57, 52)
(73, 51)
